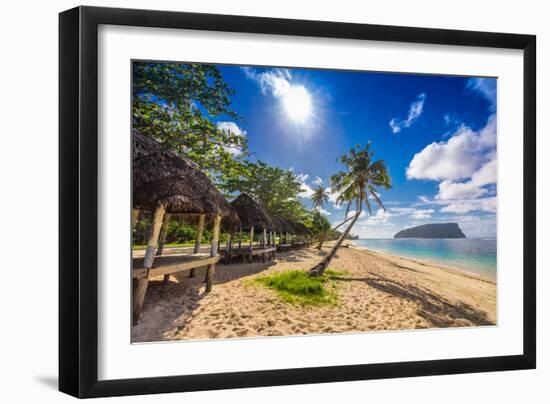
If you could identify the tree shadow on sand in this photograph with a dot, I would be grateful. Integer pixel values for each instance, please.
(167, 307)
(170, 307)
(296, 255)
(436, 309)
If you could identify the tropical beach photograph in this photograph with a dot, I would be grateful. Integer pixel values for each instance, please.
(286, 201)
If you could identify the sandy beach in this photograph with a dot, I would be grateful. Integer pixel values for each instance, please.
(378, 292)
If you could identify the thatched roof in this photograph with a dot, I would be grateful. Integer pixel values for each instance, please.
(252, 213)
(282, 225)
(161, 176)
(299, 228)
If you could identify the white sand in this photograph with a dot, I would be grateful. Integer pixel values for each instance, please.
(379, 292)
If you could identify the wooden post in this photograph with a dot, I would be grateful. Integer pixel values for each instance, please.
(240, 236)
(163, 233)
(251, 247)
(264, 242)
(141, 288)
(227, 257)
(213, 252)
(273, 245)
(198, 238)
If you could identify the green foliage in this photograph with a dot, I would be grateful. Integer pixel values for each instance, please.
(141, 231)
(319, 197)
(321, 228)
(297, 287)
(278, 189)
(179, 233)
(361, 177)
(331, 274)
(174, 103)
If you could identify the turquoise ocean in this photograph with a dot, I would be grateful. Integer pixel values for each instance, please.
(477, 255)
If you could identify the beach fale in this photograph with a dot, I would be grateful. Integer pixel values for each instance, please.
(168, 185)
(253, 216)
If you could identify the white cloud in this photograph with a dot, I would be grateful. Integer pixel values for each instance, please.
(318, 181)
(458, 158)
(487, 88)
(472, 189)
(381, 216)
(415, 110)
(413, 213)
(353, 212)
(275, 81)
(233, 128)
(449, 190)
(422, 214)
(461, 207)
(323, 211)
(486, 174)
(306, 190)
(333, 198)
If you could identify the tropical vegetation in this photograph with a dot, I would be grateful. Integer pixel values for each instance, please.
(176, 104)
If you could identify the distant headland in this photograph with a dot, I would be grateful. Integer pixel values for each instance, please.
(432, 230)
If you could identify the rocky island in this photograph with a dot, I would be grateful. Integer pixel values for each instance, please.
(432, 230)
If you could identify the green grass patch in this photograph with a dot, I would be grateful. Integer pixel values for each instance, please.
(297, 287)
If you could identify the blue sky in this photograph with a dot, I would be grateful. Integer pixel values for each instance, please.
(437, 135)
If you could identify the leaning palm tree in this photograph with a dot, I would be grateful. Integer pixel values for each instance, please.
(354, 187)
(320, 197)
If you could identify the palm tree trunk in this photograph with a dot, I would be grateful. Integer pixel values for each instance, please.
(319, 269)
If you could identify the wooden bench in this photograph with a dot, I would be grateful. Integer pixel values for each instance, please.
(248, 254)
(284, 247)
(169, 264)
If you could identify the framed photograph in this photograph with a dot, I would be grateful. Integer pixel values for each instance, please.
(250, 201)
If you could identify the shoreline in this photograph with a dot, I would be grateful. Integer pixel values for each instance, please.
(431, 261)
(380, 292)
(426, 261)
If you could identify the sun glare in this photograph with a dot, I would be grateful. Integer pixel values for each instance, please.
(297, 104)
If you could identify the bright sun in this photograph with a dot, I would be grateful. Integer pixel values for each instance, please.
(297, 104)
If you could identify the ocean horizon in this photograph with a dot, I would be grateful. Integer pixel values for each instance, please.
(476, 255)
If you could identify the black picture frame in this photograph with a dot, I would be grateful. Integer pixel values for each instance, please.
(78, 201)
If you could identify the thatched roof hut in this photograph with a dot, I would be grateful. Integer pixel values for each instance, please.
(299, 228)
(162, 176)
(252, 213)
(282, 225)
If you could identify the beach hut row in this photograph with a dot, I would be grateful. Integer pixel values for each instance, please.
(168, 186)
(254, 217)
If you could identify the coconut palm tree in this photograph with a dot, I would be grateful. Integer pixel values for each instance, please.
(320, 197)
(355, 186)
